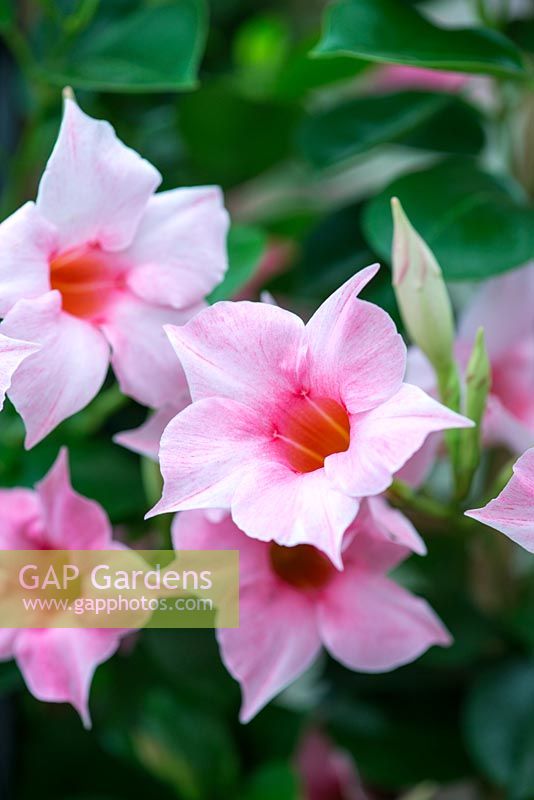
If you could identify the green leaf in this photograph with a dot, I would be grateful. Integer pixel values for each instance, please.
(246, 246)
(185, 747)
(273, 780)
(7, 14)
(152, 50)
(390, 31)
(302, 74)
(499, 727)
(248, 138)
(353, 128)
(468, 218)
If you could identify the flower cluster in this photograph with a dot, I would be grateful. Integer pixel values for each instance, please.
(280, 437)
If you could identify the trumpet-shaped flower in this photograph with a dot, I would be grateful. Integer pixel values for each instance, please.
(512, 512)
(292, 424)
(57, 663)
(293, 601)
(100, 262)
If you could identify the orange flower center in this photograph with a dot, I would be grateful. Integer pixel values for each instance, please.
(310, 430)
(303, 566)
(86, 277)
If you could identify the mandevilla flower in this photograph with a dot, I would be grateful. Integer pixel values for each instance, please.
(100, 262)
(57, 663)
(512, 512)
(293, 601)
(292, 424)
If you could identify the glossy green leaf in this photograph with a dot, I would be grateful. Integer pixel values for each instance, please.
(155, 49)
(302, 74)
(231, 138)
(499, 727)
(469, 219)
(246, 246)
(353, 128)
(391, 32)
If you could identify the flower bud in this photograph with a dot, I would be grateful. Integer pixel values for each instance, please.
(421, 293)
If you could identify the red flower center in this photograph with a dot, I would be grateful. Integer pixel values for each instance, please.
(310, 430)
(303, 566)
(86, 277)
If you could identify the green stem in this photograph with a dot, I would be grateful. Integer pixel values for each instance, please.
(404, 496)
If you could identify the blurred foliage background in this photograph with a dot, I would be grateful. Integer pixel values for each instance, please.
(294, 110)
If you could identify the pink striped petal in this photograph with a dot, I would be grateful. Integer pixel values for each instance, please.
(27, 242)
(356, 354)
(58, 664)
(179, 251)
(71, 521)
(512, 512)
(67, 371)
(94, 188)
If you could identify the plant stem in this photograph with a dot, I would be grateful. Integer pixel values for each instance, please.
(403, 495)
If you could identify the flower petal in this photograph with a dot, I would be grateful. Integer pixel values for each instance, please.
(94, 188)
(512, 512)
(21, 515)
(504, 308)
(251, 352)
(393, 525)
(205, 451)
(7, 642)
(72, 522)
(146, 439)
(368, 543)
(12, 354)
(142, 358)
(382, 440)
(27, 243)
(264, 654)
(64, 375)
(273, 503)
(197, 530)
(58, 663)
(370, 624)
(179, 251)
(356, 354)
(501, 427)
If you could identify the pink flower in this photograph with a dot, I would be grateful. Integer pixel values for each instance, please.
(504, 307)
(57, 663)
(292, 424)
(327, 772)
(12, 354)
(293, 601)
(100, 262)
(512, 512)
